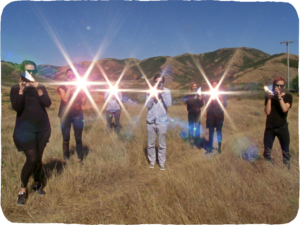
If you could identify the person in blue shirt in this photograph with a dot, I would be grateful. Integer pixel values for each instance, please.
(113, 110)
(157, 122)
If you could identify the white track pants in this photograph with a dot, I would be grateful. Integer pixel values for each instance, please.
(161, 131)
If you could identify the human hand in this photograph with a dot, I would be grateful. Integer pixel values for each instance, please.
(33, 84)
(277, 92)
(22, 85)
(40, 92)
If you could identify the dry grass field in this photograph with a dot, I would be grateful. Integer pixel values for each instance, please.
(116, 186)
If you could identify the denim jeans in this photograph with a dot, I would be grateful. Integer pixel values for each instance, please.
(77, 122)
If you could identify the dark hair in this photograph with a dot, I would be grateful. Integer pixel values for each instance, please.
(194, 82)
(158, 76)
(27, 62)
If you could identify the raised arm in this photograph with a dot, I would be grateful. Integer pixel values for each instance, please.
(17, 99)
(65, 95)
(268, 104)
(149, 100)
(44, 97)
(166, 97)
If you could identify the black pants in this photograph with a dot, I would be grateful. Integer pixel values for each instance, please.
(194, 127)
(33, 164)
(283, 136)
(109, 117)
(77, 122)
(211, 124)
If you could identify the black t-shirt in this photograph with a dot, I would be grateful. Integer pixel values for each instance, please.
(277, 118)
(75, 108)
(193, 103)
(30, 107)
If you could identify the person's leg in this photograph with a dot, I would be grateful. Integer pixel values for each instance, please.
(284, 140)
(219, 134)
(42, 140)
(151, 133)
(78, 128)
(66, 129)
(162, 147)
(109, 117)
(197, 129)
(31, 161)
(117, 115)
(191, 129)
(269, 137)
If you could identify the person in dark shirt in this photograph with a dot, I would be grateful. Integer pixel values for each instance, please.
(276, 108)
(215, 118)
(194, 103)
(71, 113)
(32, 129)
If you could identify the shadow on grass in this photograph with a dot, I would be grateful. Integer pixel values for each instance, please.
(55, 166)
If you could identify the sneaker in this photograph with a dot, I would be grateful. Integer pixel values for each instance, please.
(152, 164)
(38, 189)
(21, 198)
(162, 167)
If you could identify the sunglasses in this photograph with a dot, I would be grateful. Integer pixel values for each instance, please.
(277, 85)
(32, 71)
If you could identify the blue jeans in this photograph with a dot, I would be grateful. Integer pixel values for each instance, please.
(77, 122)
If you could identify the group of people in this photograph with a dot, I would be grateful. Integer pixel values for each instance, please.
(32, 128)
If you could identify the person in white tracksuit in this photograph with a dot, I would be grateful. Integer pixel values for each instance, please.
(157, 122)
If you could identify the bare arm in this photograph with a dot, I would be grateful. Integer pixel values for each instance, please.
(65, 95)
(268, 105)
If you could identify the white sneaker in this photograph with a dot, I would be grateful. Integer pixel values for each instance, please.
(152, 164)
(162, 167)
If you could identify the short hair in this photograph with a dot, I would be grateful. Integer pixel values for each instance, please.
(194, 82)
(158, 76)
(278, 78)
(27, 62)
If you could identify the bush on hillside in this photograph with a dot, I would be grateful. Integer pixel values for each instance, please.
(296, 83)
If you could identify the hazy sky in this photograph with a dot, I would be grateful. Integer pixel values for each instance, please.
(118, 29)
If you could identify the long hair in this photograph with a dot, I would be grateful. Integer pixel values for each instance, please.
(192, 83)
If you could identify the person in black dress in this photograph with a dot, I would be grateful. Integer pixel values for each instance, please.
(194, 103)
(215, 119)
(32, 129)
(277, 106)
(72, 116)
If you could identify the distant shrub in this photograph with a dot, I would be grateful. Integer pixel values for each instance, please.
(295, 84)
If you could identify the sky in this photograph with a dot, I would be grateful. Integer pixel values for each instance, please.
(48, 32)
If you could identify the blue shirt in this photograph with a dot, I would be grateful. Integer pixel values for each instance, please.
(112, 104)
(157, 109)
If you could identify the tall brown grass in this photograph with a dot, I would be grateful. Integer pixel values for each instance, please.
(116, 186)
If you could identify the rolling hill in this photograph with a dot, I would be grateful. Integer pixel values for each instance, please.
(242, 65)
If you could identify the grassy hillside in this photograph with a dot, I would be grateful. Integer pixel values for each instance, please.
(116, 186)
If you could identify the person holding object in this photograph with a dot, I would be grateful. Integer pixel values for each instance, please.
(277, 105)
(113, 109)
(32, 129)
(158, 104)
(194, 103)
(215, 117)
(71, 113)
